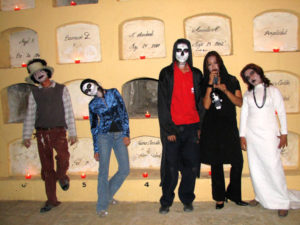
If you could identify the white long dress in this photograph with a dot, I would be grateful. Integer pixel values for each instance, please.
(260, 128)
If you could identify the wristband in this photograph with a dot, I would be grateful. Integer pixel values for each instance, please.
(210, 85)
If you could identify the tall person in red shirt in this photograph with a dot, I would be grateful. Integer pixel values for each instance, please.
(180, 114)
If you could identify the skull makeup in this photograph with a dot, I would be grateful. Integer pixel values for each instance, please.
(182, 53)
(40, 76)
(90, 89)
(253, 77)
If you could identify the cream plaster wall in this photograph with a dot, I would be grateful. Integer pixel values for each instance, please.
(113, 72)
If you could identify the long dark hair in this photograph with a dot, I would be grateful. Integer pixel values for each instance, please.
(259, 71)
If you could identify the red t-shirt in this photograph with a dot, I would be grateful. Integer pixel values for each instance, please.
(183, 107)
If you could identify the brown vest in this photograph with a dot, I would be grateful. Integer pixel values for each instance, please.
(50, 111)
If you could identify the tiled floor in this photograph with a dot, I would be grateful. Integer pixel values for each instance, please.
(140, 213)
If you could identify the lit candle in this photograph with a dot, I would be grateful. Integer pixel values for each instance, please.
(275, 49)
(147, 115)
(77, 60)
(143, 57)
(17, 8)
(145, 174)
(83, 175)
(73, 3)
(209, 173)
(28, 176)
(85, 117)
(24, 64)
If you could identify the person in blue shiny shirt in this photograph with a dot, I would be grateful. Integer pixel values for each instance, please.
(110, 130)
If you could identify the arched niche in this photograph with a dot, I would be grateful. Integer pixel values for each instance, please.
(23, 160)
(73, 2)
(78, 41)
(145, 152)
(288, 84)
(15, 102)
(80, 101)
(142, 38)
(16, 5)
(275, 31)
(209, 32)
(140, 97)
(17, 46)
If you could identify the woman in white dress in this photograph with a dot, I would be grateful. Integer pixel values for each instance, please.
(263, 139)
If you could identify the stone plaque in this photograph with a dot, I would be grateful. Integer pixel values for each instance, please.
(207, 33)
(140, 97)
(288, 84)
(77, 2)
(80, 101)
(290, 155)
(145, 152)
(143, 38)
(23, 46)
(79, 41)
(275, 30)
(24, 160)
(10, 5)
(15, 102)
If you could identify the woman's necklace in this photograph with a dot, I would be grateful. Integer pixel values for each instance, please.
(264, 97)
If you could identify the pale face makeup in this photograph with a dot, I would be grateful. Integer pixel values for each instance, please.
(212, 64)
(40, 76)
(182, 53)
(252, 77)
(90, 89)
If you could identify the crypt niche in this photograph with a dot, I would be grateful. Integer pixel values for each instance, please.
(15, 102)
(140, 97)
(18, 45)
(74, 2)
(17, 5)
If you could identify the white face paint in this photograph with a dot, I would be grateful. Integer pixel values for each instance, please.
(252, 77)
(40, 76)
(182, 53)
(90, 89)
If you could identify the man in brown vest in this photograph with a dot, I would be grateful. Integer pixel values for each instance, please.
(50, 113)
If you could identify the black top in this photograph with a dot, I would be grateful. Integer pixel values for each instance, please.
(220, 142)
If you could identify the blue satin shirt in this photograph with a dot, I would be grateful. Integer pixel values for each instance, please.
(103, 111)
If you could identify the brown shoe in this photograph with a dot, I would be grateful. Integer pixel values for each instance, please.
(253, 203)
(283, 212)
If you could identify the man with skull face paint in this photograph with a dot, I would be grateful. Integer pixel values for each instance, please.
(50, 112)
(180, 114)
(110, 129)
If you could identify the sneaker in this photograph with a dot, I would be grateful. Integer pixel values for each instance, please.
(48, 207)
(114, 201)
(188, 207)
(164, 209)
(64, 184)
(102, 213)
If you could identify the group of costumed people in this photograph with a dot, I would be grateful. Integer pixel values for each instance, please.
(197, 118)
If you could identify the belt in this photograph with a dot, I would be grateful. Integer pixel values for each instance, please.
(50, 128)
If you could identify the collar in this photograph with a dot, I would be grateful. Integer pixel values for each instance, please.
(52, 85)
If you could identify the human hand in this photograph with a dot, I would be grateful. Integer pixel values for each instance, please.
(27, 143)
(126, 141)
(171, 138)
(283, 141)
(243, 143)
(72, 140)
(97, 156)
(212, 75)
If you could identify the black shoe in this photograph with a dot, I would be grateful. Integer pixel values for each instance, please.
(188, 207)
(164, 209)
(240, 202)
(64, 184)
(219, 205)
(46, 208)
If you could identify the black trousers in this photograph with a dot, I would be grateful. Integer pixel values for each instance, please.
(233, 190)
(181, 155)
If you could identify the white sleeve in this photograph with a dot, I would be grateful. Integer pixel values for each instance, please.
(244, 116)
(280, 109)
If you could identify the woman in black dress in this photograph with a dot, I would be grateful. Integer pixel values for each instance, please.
(220, 142)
